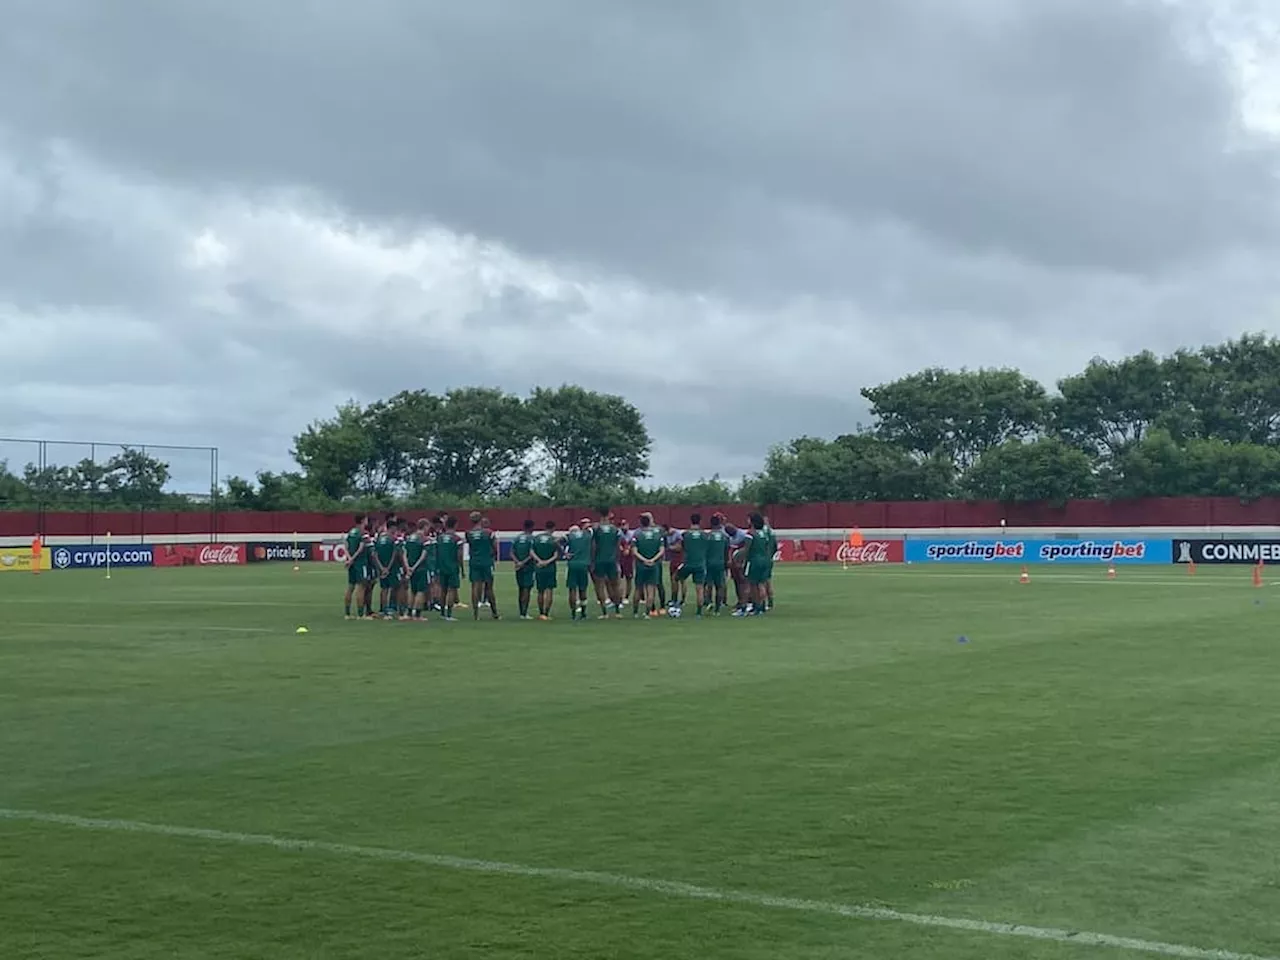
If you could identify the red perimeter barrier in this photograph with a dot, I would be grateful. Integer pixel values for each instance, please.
(1119, 514)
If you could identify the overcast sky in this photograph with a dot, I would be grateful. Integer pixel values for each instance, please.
(221, 218)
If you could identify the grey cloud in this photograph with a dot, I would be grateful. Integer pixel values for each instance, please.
(846, 196)
(676, 142)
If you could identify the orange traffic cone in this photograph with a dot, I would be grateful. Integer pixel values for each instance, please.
(1257, 574)
(1026, 577)
(1111, 572)
(1191, 569)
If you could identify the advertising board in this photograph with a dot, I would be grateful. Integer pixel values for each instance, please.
(839, 551)
(1038, 551)
(278, 552)
(1233, 551)
(20, 560)
(199, 554)
(88, 556)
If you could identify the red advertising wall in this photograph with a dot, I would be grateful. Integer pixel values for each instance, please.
(1188, 513)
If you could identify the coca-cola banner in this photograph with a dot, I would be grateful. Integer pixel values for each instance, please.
(199, 554)
(839, 551)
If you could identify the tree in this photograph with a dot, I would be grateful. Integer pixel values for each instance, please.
(50, 484)
(131, 477)
(13, 492)
(1111, 406)
(274, 491)
(481, 443)
(1046, 469)
(957, 414)
(1238, 392)
(333, 453)
(592, 439)
(136, 477)
(1157, 466)
(852, 467)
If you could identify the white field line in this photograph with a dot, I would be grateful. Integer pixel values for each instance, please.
(668, 888)
(162, 627)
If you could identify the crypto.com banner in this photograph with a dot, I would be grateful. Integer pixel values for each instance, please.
(88, 556)
(1039, 551)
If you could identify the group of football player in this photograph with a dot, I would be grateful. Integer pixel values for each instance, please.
(418, 567)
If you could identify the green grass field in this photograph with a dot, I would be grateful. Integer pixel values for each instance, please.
(1100, 757)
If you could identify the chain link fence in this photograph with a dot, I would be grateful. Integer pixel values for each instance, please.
(57, 476)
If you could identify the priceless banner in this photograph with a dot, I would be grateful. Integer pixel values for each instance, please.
(279, 551)
(1226, 551)
(19, 560)
(84, 556)
(1039, 551)
(198, 555)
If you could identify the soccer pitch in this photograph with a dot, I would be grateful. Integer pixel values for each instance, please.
(182, 776)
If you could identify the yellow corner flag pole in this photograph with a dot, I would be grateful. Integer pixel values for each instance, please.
(108, 554)
(296, 568)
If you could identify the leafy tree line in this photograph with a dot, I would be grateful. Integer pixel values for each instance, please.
(129, 479)
(1195, 423)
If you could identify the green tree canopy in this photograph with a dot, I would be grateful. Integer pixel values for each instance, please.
(957, 414)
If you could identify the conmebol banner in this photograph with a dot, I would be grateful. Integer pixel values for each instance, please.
(1038, 551)
(1226, 551)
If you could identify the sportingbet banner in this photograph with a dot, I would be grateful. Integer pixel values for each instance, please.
(1248, 552)
(88, 556)
(1039, 551)
(839, 551)
(20, 560)
(280, 552)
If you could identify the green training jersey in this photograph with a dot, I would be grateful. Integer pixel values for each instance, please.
(414, 547)
(480, 542)
(521, 547)
(448, 552)
(762, 545)
(384, 548)
(355, 537)
(579, 549)
(648, 542)
(717, 547)
(545, 545)
(606, 538)
(694, 542)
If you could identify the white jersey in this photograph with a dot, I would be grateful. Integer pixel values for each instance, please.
(739, 538)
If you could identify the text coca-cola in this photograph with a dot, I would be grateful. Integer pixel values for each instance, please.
(226, 553)
(872, 551)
